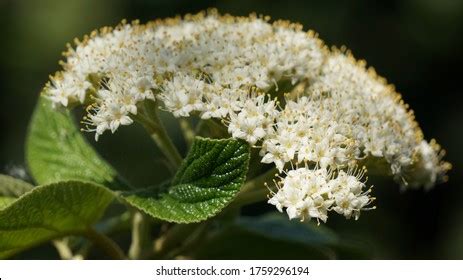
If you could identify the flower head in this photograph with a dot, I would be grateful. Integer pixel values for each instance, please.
(311, 193)
(273, 85)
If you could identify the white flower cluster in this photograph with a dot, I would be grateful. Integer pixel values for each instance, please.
(311, 193)
(273, 85)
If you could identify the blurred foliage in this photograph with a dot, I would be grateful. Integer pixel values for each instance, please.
(273, 236)
(416, 44)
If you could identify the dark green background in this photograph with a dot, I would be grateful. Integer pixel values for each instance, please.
(416, 44)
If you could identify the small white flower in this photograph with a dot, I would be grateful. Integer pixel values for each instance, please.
(252, 122)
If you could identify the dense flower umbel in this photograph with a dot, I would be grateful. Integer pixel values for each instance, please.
(319, 112)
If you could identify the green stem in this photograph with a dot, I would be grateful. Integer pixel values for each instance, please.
(109, 226)
(212, 127)
(250, 198)
(117, 224)
(164, 142)
(173, 238)
(140, 236)
(254, 190)
(187, 130)
(105, 244)
(149, 117)
(192, 241)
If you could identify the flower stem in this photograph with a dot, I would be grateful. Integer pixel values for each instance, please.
(140, 236)
(149, 117)
(173, 238)
(187, 130)
(63, 249)
(254, 190)
(105, 243)
(192, 241)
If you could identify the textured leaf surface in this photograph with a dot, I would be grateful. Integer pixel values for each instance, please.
(56, 150)
(5, 201)
(50, 211)
(207, 181)
(12, 187)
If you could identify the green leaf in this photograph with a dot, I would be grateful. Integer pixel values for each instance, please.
(12, 187)
(57, 151)
(207, 181)
(209, 178)
(49, 212)
(5, 201)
